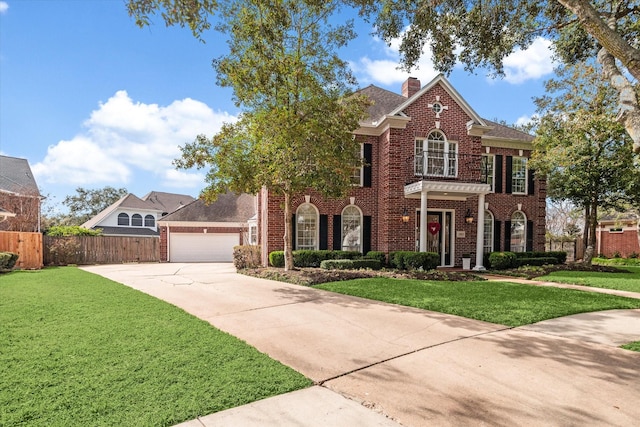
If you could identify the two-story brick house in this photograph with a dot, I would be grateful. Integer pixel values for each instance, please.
(425, 150)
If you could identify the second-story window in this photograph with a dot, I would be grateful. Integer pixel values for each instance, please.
(436, 156)
(519, 175)
(487, 169)
(123, 219)
(149, 221)
(356, 175)
(136, 220)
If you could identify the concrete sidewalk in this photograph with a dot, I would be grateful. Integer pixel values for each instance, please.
(411, 366)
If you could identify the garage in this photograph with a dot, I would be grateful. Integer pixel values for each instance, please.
(202, 247)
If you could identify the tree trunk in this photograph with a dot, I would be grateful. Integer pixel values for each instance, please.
(614, 46)
(585, 233)
(288, 251)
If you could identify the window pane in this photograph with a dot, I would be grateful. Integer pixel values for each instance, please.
(519, 175)
(518, 232)
(123, 219)
(487, 170)
(488, 233)
(351, 226)
(306, 227)
(419, 157)
(136, 220)
(149, 221)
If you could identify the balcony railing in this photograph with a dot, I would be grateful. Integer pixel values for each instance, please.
(452, 166)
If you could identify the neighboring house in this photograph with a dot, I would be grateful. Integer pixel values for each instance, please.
(438, 178)
(133, 216)
(617, 235)
(19, 196)
(201, 232)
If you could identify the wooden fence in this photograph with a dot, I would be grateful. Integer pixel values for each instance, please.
(573, 248)
(28, 246)
(83, 250)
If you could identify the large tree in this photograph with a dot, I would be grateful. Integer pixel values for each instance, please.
(87, 203)
(295, 129)
(582, 148)
(482, 33)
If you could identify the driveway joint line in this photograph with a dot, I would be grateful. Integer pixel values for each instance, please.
(397, 356)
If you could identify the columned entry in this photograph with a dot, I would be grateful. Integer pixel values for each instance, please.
(439, 235)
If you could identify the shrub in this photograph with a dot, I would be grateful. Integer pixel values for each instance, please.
(538, 261)
(486, 261)
(396, 259)
(421, 260)
(559, 257)
(72, 230)
(64, 251)
(276, 259)
(380, 256)
(246, 256)
(351, 264)
(502, 260)
(8, 260)
(633, 255)
(308, 258)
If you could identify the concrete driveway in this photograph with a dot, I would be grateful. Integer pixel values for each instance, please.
(398, 365)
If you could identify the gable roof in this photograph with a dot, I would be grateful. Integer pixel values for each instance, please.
(384, 101)
(167, 202)
(130, 201)
(16, 176)
(506, 132)
(228, 207)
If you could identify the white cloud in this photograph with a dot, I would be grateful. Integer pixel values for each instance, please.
(530, 64)
(386, 70)
(526, 120)
(124, 138)
(4, 6)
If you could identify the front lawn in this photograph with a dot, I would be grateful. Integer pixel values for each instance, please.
(635, 346)
(621, 281)
(496, 302)
(79, 349)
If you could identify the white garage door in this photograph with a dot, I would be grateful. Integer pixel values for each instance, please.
(202, 247)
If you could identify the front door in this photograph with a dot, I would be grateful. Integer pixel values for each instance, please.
(438, 234)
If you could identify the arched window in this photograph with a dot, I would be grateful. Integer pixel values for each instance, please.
(123, 219)
(149, 221)
(488, 232)
(518, 232)
(307, 227)
(351, 229)
(136, 220)
(436, 156)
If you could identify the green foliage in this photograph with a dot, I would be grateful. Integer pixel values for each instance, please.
(87, 203)
(537, 261)
(78, 349)
(380, 256)
(246, 256)
(410, 260)
(502, 260)
(8, 260)
(396, 259)
(72, 230)
(193, 14)
(628, 279)
(351, 264)
(276, 259)
(634, 346)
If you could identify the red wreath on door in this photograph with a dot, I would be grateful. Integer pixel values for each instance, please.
(434, 228)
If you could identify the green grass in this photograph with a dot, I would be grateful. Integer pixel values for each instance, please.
(497, 302)
(78, 349)
(621, 281)
(635, 346)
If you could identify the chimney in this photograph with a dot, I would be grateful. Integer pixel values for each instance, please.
(410, 87)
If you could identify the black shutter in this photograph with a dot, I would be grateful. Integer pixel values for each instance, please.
(368, 155)
(529, 236)
(498, 174)
(337, 232)
(530, 182)
(366, 234)
(293, 232)
(496, 236)
(507, 236)
(508, 183)
(324, 232)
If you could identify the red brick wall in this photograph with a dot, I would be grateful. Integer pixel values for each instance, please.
(624, 243)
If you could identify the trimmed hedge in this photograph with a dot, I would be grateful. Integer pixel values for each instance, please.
(502, 260)
(409, 260)
(351, 264)
(498, 261)
(380, 256)
(310, 258)
(276, 259)
(537, 261)
(8, 260)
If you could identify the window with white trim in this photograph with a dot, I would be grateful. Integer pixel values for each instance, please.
(351, 229)
(518, 232)
(487, 237)
(123, 219)
(357, 173)
(436, 156)
(488, 170)
(307, 227)
(136, 220)
(149, 221)
(519, 175)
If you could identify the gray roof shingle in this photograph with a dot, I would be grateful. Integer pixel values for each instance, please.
(228, 207)
(16, 176)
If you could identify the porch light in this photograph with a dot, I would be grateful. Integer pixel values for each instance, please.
(405, 216)
(468, 218)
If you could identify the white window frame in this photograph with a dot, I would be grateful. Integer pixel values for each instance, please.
(519, 175)
(149, 218)
(436, 161)
(121, 215)
(137, 216)
(357, 175)
(348, 232)
(522, 246)
(491, 165)
(307, 227)
(487, 237)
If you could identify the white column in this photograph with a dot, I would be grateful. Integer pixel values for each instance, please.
(423, 221)
(480, 234)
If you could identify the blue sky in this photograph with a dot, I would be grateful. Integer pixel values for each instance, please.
(92, 100)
